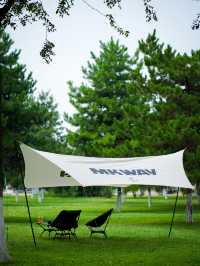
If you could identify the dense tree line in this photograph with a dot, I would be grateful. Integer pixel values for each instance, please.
(173, 81)
(107, 105)
(147, 104)
(24, 117)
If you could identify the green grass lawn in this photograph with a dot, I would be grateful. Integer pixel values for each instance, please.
(136, 236)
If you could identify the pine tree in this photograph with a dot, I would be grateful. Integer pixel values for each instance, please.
(22, 118)
(111, 109)
(174, 85)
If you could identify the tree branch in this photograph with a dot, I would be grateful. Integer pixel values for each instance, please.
(5, 9)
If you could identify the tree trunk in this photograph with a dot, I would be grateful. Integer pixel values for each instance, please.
(119, 202)
(198, 192)
(141, 192)
(189, 219)
(164, 193)
(39, 196)
(17, 195)
(149, 197)
(42, 194)
(4, 257)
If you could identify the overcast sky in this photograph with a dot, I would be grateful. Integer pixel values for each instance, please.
(80, 33)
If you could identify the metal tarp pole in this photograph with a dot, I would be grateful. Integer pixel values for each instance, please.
(29, 214)
(172, 221)
(27, 205)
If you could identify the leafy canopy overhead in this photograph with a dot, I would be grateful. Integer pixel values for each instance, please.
(13, 13)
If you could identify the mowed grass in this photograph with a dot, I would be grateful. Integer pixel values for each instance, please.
(136, 236)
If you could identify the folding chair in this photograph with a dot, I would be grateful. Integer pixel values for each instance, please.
(65, 224)
(99, 224)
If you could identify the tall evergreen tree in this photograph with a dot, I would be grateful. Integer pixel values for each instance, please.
(23, 118)
(173, 81)
(110, 106)
(12, 78)
(37, 124)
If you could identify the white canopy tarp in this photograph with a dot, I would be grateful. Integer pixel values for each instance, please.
(44, 169)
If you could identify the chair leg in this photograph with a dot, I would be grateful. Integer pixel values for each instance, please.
(42, 233)
(100, 232)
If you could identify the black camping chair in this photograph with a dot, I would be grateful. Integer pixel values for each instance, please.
(99, 224)
(66, 223)
(63, 225)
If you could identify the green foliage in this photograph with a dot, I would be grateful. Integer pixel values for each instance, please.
(110, 106)
(13, 13)
(47, 51)
(145, 105)
(173, 81)
(24, 117)
(132, 188)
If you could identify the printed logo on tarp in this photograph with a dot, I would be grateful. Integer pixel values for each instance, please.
(124, 171)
